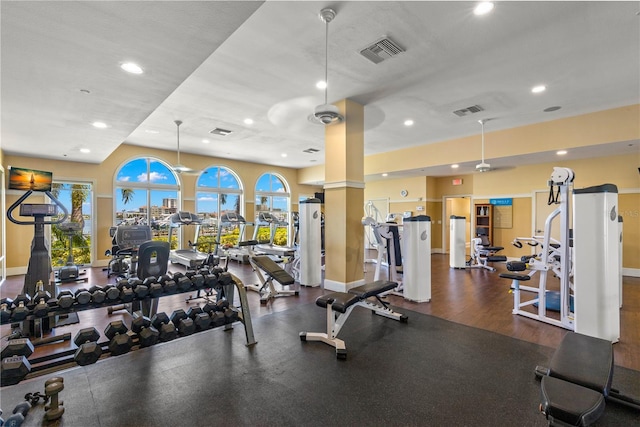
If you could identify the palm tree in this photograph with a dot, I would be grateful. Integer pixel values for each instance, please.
(127, 194)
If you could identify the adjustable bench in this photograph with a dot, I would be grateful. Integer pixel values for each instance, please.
(578, 381)
(339, 306)
(266, 289)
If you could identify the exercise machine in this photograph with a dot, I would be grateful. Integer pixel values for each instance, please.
(387, 236)
(230, 220)
(190, 258)
(416, 249)
(70, 272)
(310, 248)
(554, 256)
(482, 252)
(585, 261)
(268, 220)
(339, 306)
(578, 382)
(37, 280)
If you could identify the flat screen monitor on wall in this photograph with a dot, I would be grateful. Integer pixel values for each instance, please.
(29, 179)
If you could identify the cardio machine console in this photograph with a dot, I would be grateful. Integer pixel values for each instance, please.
(38, 209)
(132, 236)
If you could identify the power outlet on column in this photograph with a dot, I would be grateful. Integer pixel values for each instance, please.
(419, 208)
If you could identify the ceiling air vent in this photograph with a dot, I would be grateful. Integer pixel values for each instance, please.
(310, 150)
(469, 110)
(380, 50)
(220, 131)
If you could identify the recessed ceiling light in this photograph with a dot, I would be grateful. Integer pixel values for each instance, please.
(408, 122)
(561, 152)
(456, 166)
(99, 125)
(385, 174)
(321, 84)
(538, 89)
(283, 155)
(132, 68)
(152, 131)
(85, 150)
(205, 141)
(483, 8)
(248, 121)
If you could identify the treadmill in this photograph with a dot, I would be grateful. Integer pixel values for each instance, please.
(267, 219)
(190, 258)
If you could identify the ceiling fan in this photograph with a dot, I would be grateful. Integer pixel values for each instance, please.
(179, 167)
(482, 166)
(327, 114)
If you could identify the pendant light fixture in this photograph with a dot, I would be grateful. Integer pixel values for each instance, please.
(482, 166)
(327, 114)
(180, 168)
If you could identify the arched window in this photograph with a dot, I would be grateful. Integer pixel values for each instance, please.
(272, 195)
(146, 192)
(218, 191)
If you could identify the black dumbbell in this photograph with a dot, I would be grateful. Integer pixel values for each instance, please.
(182, 281)
(168, 284)
(83, 297)
(120, 342)
(6, 304)
(182, 322)
(21, 311)
(41, 309)
(147, 334)
(112, 292)
(167, 330)
(65, 299)
(141, 291)
(18, 347)
(98, 296)
(88, 351)
(14, 369)
(217, 319)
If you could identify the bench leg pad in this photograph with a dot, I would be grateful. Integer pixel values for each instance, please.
(568, 404)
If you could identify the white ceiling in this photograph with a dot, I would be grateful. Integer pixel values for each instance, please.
(213, 64)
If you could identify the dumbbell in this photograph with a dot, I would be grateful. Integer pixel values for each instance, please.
(182, 281)
(155, 288)
(147, 334)
(168, 284)
(15, 363)
(21, 311)
(6, 304)
(126, 291)
(98, 296)
(167, 330)
(52, 389)
(19, 414)
(112, 292)
(197, 279)
(88, 351)
(120, 342)
(65, 299)
(182, 322)
(201, 319)
(83, 297)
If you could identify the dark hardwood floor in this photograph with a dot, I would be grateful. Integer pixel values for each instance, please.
(476, 297)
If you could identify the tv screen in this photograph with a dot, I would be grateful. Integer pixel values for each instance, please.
(29, 179)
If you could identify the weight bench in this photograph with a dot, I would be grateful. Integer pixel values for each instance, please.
(266, 288)
(339, 306)
(577, 382)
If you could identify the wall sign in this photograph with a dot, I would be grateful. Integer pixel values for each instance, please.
(501, 202)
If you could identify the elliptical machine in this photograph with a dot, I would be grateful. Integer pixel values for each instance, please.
(70, 272)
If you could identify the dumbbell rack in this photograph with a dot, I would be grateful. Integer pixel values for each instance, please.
(53, 362)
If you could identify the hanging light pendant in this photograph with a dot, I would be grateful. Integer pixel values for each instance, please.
(482, 166)
(327, 114)
(180, 168)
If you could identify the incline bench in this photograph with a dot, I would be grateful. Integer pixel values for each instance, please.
(339, 306)
(578, 381)
(266, 289)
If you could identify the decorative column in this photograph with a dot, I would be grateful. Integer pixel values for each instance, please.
(344, 199)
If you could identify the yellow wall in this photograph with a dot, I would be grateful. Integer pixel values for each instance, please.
(102, 176)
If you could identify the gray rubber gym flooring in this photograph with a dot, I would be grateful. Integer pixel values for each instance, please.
(427, 372)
